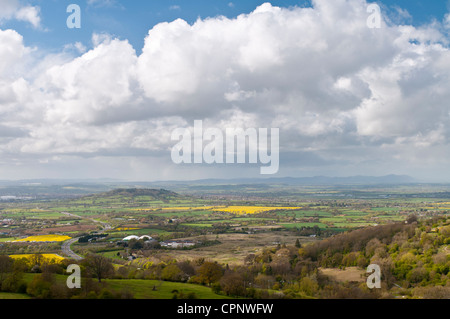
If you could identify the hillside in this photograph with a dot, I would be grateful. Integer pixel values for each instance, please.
(414, 257)
(153, 194)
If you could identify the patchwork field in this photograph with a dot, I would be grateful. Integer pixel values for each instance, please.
(167, 214)
(227, 229)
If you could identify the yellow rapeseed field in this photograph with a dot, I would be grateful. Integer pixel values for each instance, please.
(47, 258)
(242, 210)
(43, 238)
(239, 210)
(179, 208)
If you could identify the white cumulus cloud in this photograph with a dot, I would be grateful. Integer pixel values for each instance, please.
(15, 9)
(338, 90)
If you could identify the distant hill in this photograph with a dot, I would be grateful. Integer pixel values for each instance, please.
(316, 180)
(55, 188)
(156, 194)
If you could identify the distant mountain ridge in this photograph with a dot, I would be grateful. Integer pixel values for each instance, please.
(133, 192)
(316, 180)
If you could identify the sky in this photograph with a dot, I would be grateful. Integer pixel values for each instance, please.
(102, 100)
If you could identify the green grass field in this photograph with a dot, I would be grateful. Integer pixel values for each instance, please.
(299, 225)
(143, 289)
(2, 240)
(13, 296)
(304, 213)
(174, 214)
(140, 288)
(206, 225)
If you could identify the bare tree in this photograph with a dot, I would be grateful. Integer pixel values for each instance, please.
(99, 266)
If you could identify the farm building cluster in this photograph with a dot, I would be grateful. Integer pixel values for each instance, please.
(175, 244)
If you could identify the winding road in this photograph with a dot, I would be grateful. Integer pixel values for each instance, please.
(69, 252)
(66, 245)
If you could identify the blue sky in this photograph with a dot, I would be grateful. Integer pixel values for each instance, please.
(132, 20)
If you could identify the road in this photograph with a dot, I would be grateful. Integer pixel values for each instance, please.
(66, 245)
(67, 251)
(105, 226)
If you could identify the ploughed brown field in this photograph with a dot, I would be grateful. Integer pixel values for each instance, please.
(349, 274)
(62, 229)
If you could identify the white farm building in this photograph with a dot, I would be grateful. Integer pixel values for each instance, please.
(128, 238)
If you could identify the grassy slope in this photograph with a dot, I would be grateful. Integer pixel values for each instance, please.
(143, 289)
(10, 295)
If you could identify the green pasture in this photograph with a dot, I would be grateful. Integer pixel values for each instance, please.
(205, 225)
(13, 296)
(351, 224)
(304, 213)
(144, 289)
(189, 213)
(385, 209)
(148, 289)
(18, 213)
(300, 225)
